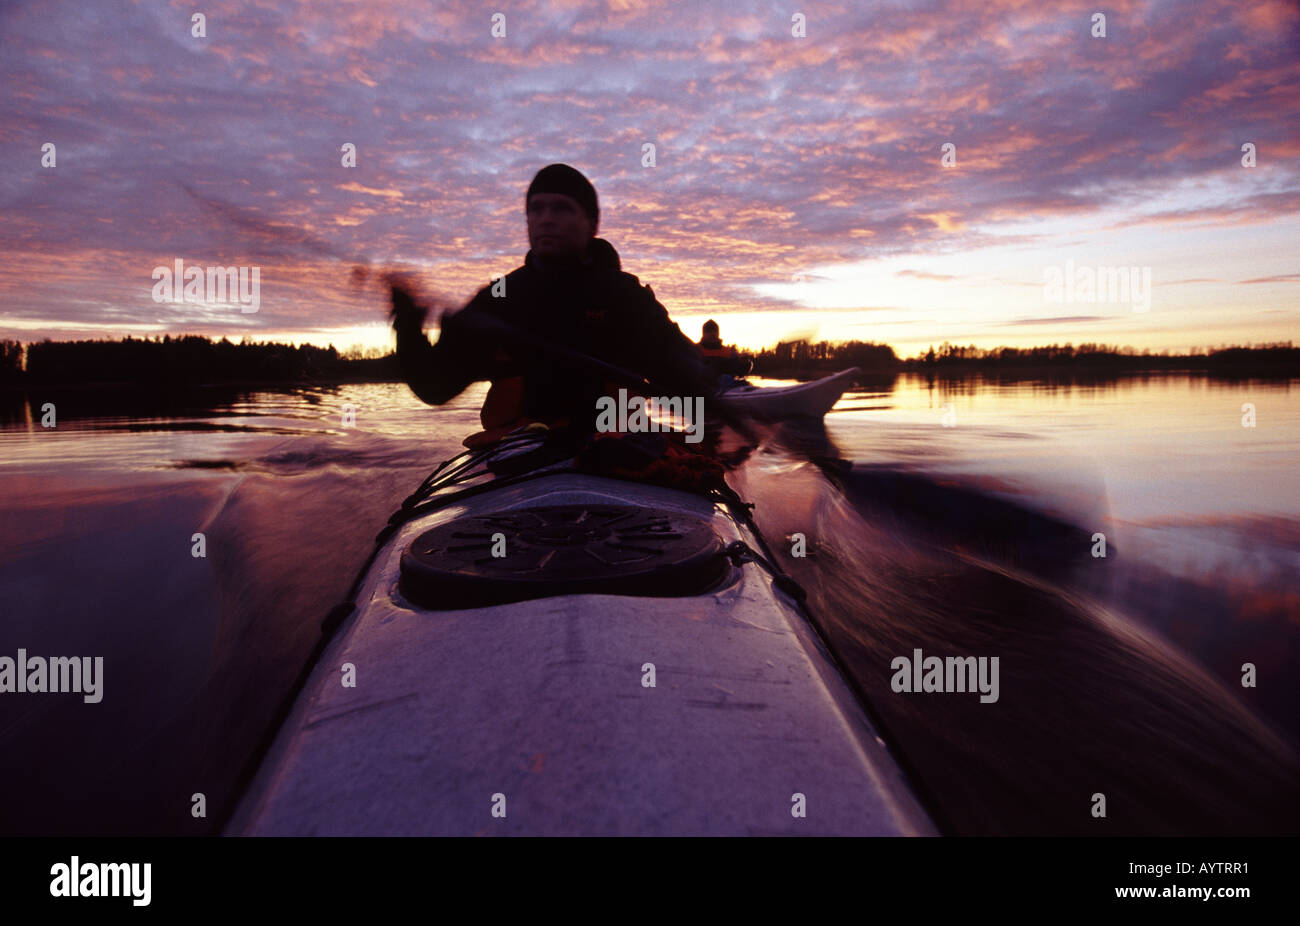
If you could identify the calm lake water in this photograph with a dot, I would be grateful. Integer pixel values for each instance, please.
(960, 513)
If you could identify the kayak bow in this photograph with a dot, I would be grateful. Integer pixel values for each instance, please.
(806, 400)
(536, 651)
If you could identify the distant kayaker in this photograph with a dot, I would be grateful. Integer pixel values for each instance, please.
(726, 362)
(570, 291)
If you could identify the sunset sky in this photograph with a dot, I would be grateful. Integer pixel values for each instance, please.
(797, 190)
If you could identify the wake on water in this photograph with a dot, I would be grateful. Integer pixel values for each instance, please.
(1090, 702)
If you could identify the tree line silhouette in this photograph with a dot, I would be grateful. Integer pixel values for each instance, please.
(192, 360)
(799, 359)
(189, 360)
(794, 359)
(1280, 357)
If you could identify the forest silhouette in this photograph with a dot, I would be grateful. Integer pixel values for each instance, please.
(194, 360)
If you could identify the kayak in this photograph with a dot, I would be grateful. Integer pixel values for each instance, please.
(806, 400)
(626, 666)
(534, 650)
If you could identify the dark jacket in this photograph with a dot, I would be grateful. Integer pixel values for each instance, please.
(593, 308)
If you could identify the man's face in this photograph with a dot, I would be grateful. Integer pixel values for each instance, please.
(557, 226)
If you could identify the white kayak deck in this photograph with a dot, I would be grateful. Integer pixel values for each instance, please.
(804, 400)
(542, 702)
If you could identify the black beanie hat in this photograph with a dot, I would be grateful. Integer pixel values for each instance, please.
(710, 325)
(561, 178)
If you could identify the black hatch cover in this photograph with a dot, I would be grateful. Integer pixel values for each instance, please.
(562, 550)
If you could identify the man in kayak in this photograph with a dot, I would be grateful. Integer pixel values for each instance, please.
(571, 291)
(726, 362)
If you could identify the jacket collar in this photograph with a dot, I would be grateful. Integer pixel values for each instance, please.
(600, 255)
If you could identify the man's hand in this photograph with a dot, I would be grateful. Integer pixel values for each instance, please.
(408, 316)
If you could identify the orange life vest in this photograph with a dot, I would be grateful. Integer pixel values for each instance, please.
(721, 351)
